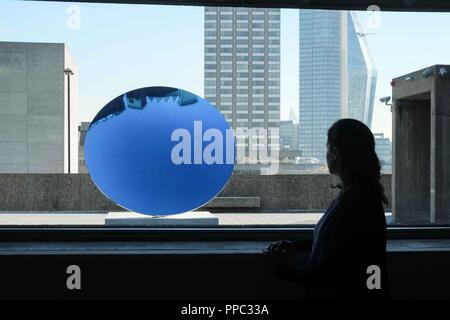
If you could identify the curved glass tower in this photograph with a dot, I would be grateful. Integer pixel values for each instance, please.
(362, 75)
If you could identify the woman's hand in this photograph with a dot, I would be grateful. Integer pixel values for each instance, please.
(280, 248)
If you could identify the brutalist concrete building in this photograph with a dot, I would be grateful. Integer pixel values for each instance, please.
(421, 149)
(38, 81)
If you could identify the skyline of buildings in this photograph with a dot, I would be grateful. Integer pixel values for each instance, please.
(242, 74)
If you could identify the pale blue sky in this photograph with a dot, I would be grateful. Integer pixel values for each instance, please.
(122, 47)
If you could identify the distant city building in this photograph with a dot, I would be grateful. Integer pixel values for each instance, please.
(288, 135)
(82, 131)
(337, 76)
(242, 68)
(290, 156)
(383, 149)
(33, 108)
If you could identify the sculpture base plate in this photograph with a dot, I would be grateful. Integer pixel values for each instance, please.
(187, 219)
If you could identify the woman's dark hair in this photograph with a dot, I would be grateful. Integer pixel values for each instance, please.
(356, 156)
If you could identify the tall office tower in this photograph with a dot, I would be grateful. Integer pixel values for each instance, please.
(34, 97)
(242, 68)
(337, 76)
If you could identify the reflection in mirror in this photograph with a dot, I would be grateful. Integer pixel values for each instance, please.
(160, 151)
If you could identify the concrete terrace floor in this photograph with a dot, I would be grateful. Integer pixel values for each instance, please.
(98, 219)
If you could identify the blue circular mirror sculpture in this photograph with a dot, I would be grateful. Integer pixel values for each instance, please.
(159, 151)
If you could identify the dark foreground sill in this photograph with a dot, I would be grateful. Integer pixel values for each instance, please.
(106, 234)
(193, 264)
(186, 247)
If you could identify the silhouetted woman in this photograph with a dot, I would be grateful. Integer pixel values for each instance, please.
(351, 235)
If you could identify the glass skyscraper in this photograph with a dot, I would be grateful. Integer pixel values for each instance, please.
(242, 66)
(362, 75)
(336, 76)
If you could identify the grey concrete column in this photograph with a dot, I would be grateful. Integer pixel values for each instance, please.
(440, 148)
(411, 161)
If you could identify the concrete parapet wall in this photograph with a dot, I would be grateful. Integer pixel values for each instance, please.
(77, 192)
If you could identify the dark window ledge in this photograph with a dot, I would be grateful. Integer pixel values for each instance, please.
(186, 247)
(229, 234)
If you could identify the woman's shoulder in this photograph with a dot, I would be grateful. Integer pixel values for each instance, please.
(360, 202)
(359, 195)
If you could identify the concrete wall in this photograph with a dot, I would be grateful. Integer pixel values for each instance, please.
(32, 107)
(54, 192)
(421, 149)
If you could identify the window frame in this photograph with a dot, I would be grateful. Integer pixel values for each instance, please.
(36, 233)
